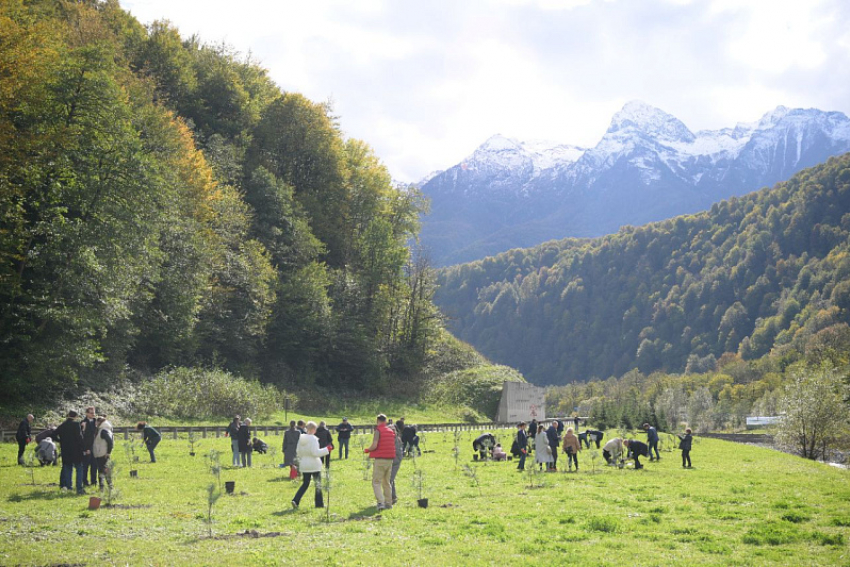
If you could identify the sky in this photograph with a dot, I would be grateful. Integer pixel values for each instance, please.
(425, 83)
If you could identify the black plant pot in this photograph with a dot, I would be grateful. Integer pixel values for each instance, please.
(230, 486)
(191, 453)
(423, 502)
(134, 474)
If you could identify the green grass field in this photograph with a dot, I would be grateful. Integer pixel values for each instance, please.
(740, 505)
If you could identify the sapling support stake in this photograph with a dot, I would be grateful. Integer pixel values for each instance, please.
(213, 494)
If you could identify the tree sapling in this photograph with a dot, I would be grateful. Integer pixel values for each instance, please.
(213, 494)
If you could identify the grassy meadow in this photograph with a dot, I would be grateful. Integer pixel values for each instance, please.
(740, 505)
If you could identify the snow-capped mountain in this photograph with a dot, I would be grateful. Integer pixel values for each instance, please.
(648, 166)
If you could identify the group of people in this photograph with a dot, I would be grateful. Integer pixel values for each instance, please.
(545, 443)
(308, 446)
(85, 447)
(242, 442)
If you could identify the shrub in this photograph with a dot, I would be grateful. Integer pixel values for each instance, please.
(603, 524)
(195, 393)
(478, 388)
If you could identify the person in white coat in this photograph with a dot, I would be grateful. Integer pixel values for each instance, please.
(613, 450)
(309, 457)
(542, 451)
(102, 449)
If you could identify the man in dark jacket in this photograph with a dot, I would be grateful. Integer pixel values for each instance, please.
(70, 437)
(652, 441)
(521, 445)
(89, 426)
(637, 449)
(325, 438)
(344, 430)
(410, 440)
(685, 446)
(554, 441)
(591, 435)
(484, 444)
(22, 436)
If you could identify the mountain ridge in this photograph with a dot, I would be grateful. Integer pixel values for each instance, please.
(648, 166)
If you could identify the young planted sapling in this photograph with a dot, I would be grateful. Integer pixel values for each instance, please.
(419, 485)
(213, 494)
(325, 485)
(473, 474)
(214, 464)
(29, 463)
(192, 441)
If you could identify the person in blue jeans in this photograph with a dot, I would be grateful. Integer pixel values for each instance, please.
(652, 441)
(343, 431)
(70, 437)
(150, 436)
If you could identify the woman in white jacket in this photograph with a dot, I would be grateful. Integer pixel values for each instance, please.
(309, 457)
(542, 451)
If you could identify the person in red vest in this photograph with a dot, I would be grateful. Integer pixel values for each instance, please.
(382, 450)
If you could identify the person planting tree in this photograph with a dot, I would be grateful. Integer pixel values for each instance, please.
(151, 438)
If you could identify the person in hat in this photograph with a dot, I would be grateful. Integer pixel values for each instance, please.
(343, 431)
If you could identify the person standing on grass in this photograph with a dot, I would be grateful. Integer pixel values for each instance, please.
(245, 447)
(554, 440)
(685, 446)
(532, 433)
(571, 448)
(382, 450)
(637, 449)
(290, 445)
(150, 436)
(70, 437)
(325, 440)
(343, 431)
(399, 457)
(89, 427)
(652, 441)
(232, 431)
(102, 448)
(309, 456)
(542, 451)
(302, 427)
(521, 445)
(22, 436)
(613, 450)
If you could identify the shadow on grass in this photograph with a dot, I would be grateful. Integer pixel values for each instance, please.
(42, 495)
(366, 513)
(280, 479)
(284, 513)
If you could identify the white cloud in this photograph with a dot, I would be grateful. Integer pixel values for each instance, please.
(425, 83)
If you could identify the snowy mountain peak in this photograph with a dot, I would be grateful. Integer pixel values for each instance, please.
(639, 116)
(772, 118)
(498, 143)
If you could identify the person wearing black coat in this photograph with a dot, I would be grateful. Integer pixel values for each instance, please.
(410, 440)
(343, 431)
(22, 436)
(70, 437)
(325, 438)
(521, 445)
(484, 444)
(89, 427)
(637, 449)
(685, 446)
(532, 432)
(245, 445)
(554, 441)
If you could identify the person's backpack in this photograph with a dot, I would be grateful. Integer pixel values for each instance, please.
(515, 449)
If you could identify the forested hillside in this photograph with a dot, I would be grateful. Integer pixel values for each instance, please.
(754, 275)
(163, 203)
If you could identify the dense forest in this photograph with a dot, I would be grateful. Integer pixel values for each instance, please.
(766, 274)
(164, 204)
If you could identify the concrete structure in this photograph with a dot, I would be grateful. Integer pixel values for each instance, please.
(521, 402)
(762, 421)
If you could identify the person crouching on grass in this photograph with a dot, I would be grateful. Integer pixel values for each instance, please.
(309, 456)
(382, 450)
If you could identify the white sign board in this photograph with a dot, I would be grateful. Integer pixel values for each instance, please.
(521, 402)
